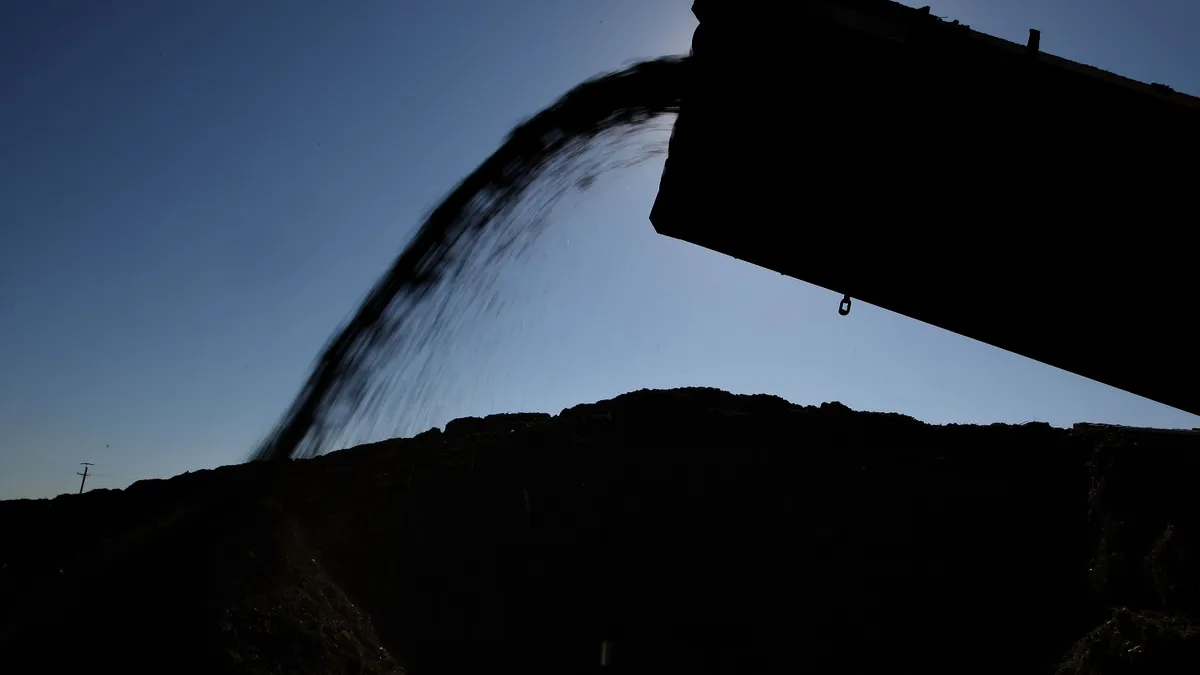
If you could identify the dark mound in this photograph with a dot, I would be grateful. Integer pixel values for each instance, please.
(697, 530)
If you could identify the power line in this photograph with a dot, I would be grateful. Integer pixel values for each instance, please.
(86, 465)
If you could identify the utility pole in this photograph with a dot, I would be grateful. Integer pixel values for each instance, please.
(84, 474)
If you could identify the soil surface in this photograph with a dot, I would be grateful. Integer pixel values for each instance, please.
(696, 530)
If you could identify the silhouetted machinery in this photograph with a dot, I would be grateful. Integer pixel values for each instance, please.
(1037, 204)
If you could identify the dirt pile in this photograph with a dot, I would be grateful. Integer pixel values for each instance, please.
(698, 530)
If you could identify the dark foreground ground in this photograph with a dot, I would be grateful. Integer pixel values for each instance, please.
(697, 530)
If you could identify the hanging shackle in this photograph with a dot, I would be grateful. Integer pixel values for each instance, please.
(844, 308)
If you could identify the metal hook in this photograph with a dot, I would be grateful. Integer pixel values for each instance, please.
(844, 308)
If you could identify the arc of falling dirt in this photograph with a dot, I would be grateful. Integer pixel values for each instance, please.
(414, 303)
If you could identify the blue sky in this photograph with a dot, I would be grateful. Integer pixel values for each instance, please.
(194, 195)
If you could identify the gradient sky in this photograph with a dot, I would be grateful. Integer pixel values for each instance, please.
(194, 195)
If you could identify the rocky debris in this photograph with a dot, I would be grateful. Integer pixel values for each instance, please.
(1146, 643)
(698, 530)
(504, 423)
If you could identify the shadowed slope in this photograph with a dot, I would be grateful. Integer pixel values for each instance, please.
(701, 531)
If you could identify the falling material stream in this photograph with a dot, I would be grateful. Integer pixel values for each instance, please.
(380, 363)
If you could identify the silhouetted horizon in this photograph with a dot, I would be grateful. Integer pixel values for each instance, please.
(195, 197)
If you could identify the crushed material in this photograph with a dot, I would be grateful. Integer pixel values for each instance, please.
(696, 530)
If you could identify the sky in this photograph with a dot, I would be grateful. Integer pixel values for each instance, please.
(195, 195)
